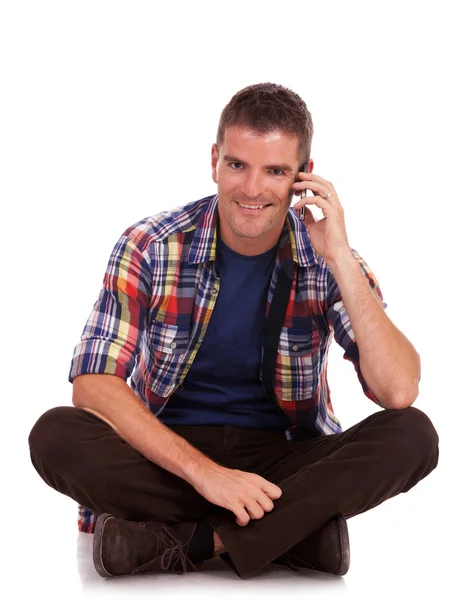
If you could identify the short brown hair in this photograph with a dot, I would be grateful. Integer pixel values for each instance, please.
(266, 107)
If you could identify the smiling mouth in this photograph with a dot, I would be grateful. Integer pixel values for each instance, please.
(252, 207)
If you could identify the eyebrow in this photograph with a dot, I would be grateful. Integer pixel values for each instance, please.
(282, 166)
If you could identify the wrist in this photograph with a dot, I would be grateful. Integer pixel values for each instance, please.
(198, 470)
(342, 259)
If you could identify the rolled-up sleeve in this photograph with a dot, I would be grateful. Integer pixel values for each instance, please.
(111, 337)
(338, 319)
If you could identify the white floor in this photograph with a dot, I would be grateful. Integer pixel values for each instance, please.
(404, 548)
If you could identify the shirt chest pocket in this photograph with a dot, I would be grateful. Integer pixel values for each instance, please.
(296, 371)
(168, 348)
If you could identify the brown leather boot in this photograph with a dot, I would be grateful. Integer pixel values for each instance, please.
(328, 550)
(125, 547)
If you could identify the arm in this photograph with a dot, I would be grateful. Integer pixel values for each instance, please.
(389, 363)
(111, 399)
(108, 397)
(385, 359)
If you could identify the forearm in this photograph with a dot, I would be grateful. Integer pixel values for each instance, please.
(389, 363)
(111, 399)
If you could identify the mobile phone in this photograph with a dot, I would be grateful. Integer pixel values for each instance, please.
(303, 193)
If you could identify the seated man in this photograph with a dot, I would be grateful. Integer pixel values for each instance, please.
(222, 313)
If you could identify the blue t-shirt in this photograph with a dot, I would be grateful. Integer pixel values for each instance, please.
(223, 385)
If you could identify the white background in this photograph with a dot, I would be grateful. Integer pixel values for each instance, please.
(108, 112)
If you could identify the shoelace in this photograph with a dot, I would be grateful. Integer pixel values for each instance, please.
(171, 553)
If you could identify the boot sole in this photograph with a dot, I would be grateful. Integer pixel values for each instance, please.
(344, 545)
(97, 546)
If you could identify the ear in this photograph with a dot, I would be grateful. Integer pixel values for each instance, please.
(311, 165)
(214, 163)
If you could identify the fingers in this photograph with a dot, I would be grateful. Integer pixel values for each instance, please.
(318, 189)
(311, 177)
(242, 517)
(252, 509)
(244, 510)
(326, 205)
(320, 202)
(256, 507)
(317, 185)
(265, 503)
(262, 502)
(272, 490)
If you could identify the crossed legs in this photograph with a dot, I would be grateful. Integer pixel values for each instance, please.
(345, 474)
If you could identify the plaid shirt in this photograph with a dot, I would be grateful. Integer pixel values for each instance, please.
(158, 294)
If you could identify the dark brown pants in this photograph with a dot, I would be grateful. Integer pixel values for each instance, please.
(81, 456)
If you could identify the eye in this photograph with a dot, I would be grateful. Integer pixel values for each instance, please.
(277, 171)
(233, 165)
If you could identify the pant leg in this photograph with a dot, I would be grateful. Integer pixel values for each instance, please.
(81, 456)
(344, 474)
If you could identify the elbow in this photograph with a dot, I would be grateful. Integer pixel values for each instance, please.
(94, 393)
(403, 392)
(75, 395)
(400, 401)
(81, 398)
(81, 395)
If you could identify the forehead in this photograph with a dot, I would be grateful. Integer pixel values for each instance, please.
(273, 146)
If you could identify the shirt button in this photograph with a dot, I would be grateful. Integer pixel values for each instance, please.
(214, 291)
(201, 339)
(295, 347)
(173, 345)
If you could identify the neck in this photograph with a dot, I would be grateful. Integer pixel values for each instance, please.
(248, 246)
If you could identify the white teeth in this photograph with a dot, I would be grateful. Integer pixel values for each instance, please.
(251, 207)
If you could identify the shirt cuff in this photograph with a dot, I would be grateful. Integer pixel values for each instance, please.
(101, 357)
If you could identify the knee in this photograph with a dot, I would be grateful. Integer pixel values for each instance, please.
(416, 435)
(49, 434)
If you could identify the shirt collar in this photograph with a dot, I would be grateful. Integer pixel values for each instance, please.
(294, 239)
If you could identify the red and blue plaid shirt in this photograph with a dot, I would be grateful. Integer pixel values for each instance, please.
(158, 294)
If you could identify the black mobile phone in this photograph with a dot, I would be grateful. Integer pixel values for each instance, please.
(303, 193)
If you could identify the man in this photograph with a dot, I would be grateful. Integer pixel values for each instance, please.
(222, 313)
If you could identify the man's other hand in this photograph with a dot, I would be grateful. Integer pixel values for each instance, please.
(247, 495)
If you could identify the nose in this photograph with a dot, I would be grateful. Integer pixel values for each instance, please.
(253, 184)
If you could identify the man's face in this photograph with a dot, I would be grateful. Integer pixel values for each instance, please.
(254, 170)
